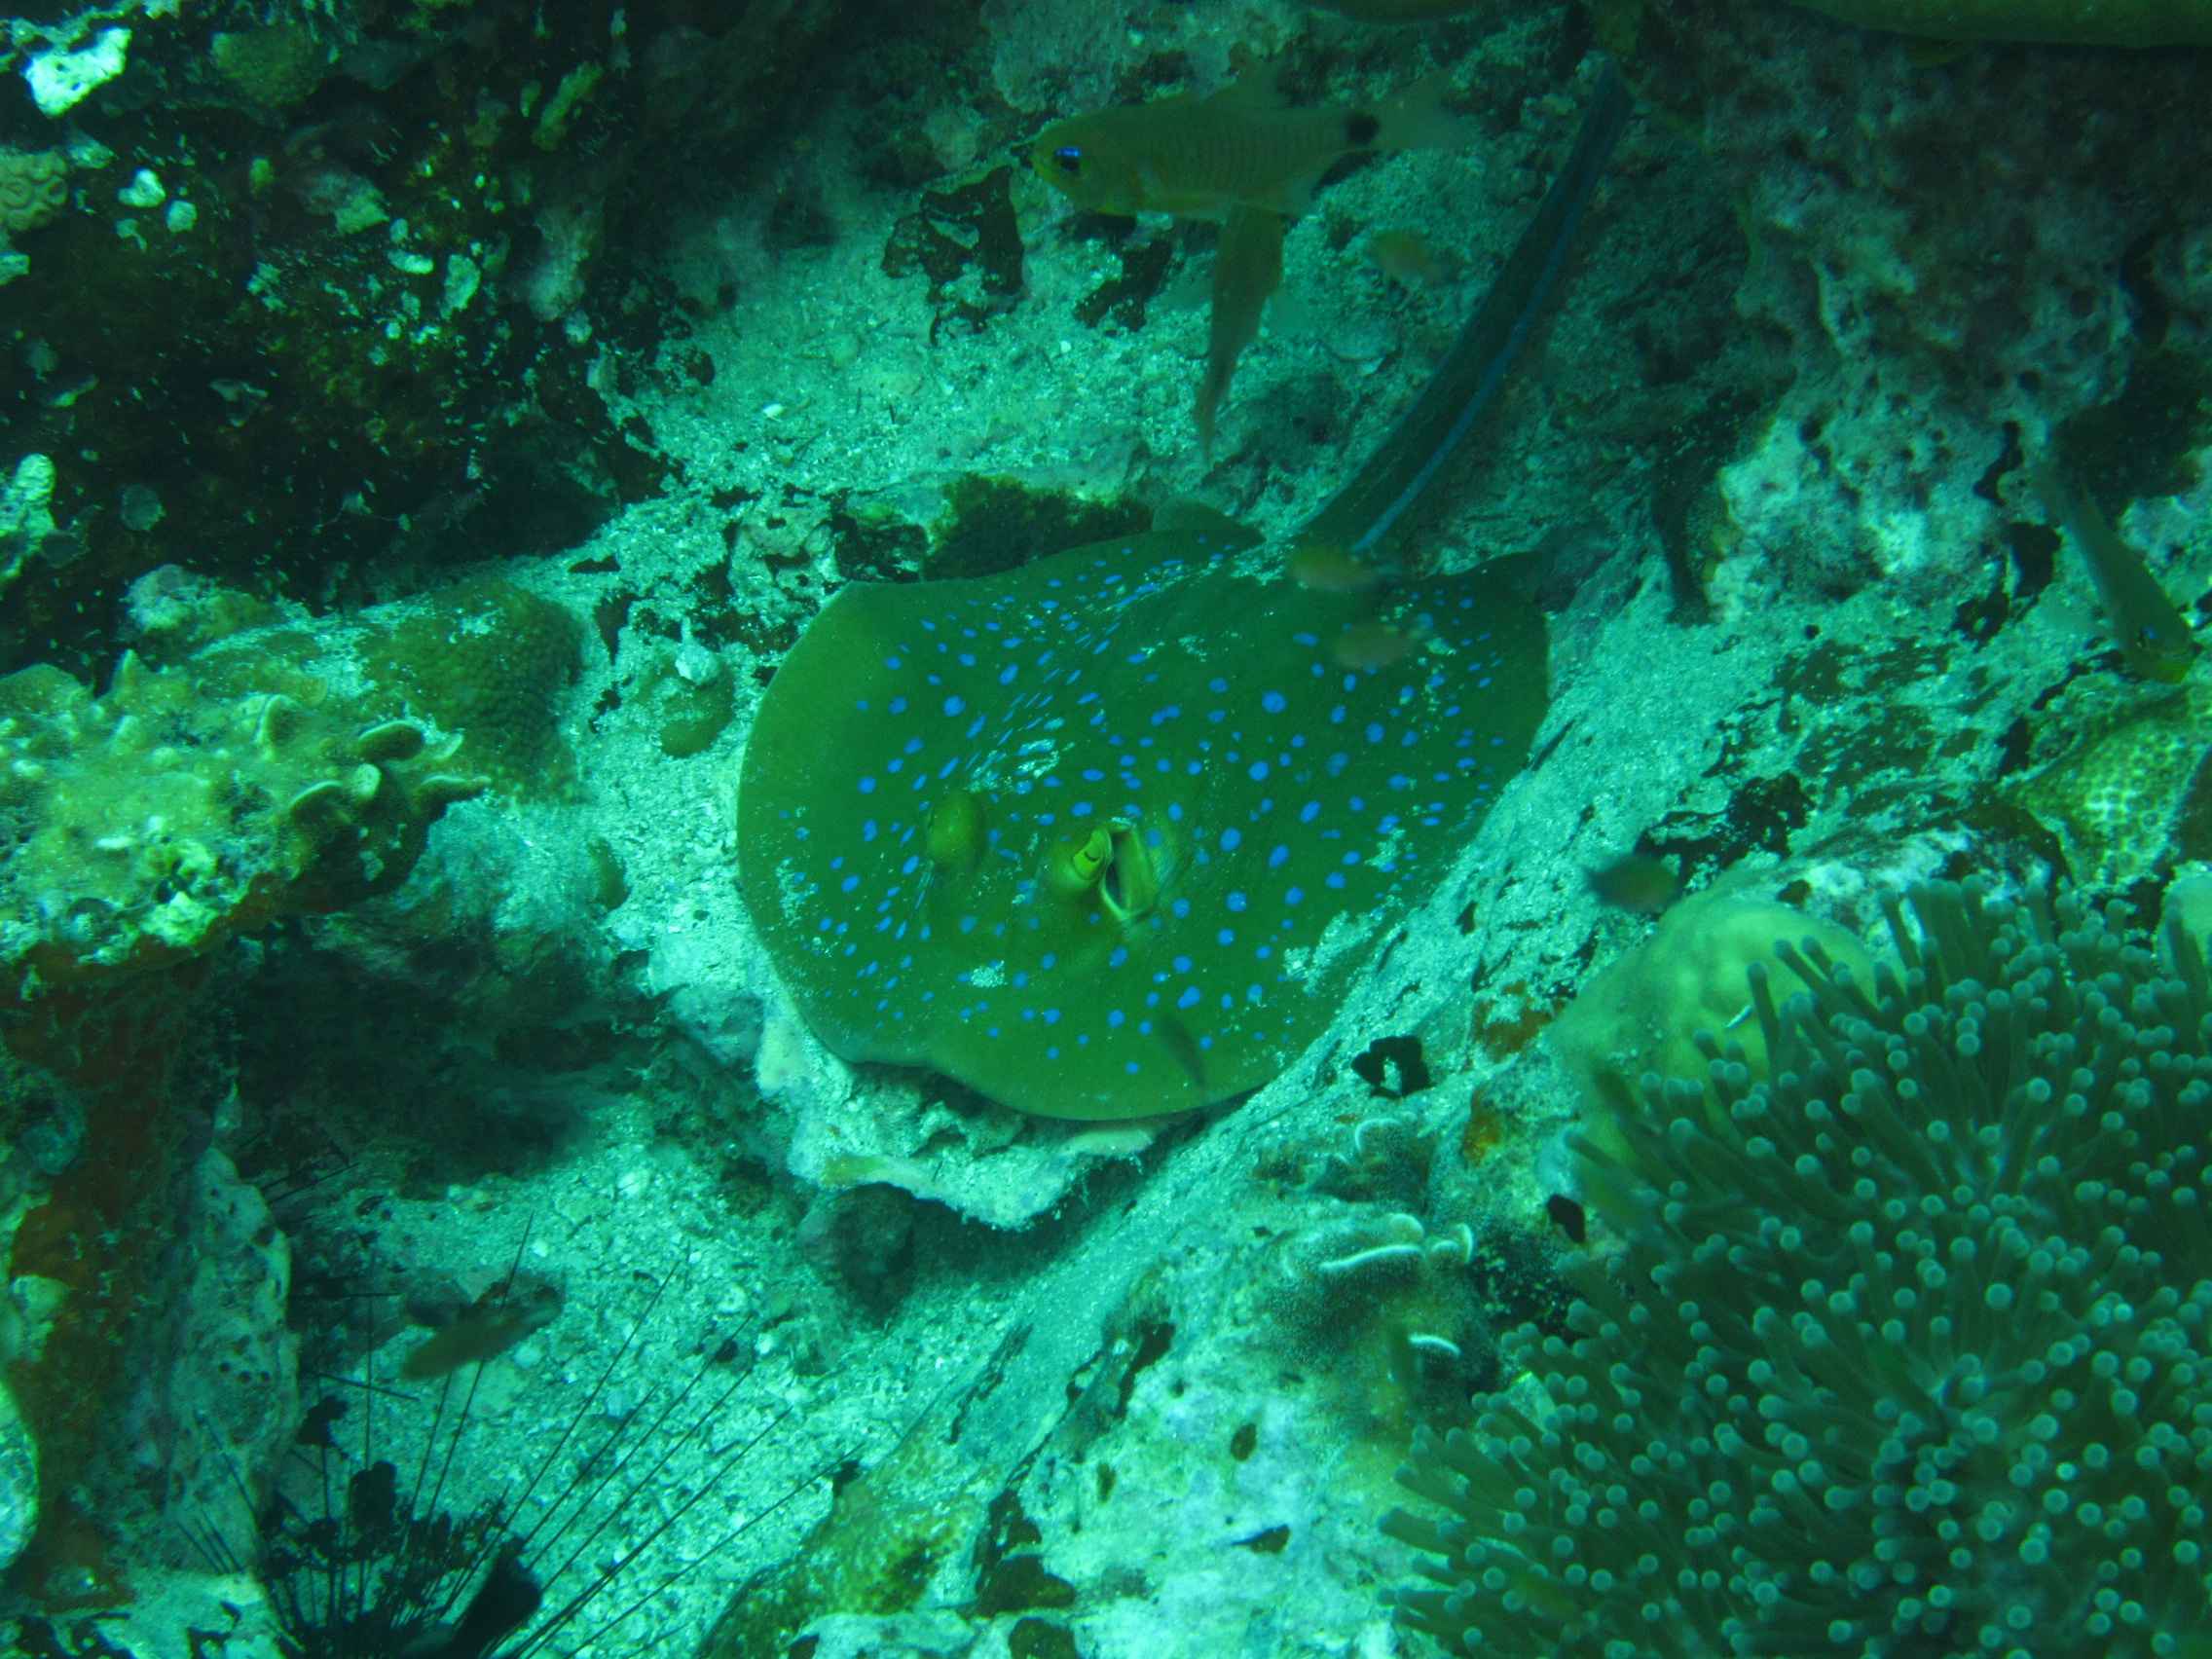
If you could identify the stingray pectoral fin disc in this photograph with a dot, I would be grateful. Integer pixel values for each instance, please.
(1110, 835)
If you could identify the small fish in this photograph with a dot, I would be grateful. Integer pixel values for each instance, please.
(1240, 157)
(1373, 644)
(1328, 567)
(2153, 635)
(1406, 259)
(486, 1328)
(1246, 270)
(1198, 158)
(1636, 882)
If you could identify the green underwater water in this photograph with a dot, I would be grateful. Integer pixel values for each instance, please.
(714, 951)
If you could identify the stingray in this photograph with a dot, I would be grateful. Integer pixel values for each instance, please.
(1113, 833)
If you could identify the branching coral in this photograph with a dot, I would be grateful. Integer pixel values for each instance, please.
(1909, 1354)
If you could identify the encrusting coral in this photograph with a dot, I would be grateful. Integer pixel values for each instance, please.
(1908, 1353)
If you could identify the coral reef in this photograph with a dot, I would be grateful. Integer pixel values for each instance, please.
(261, 776)
(1906, 1348)
(1908, 267)
(404, 248)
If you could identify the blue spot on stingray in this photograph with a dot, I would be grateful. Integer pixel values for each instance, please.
(977, 730)
(911, 864)
(1115, 1017)
(1181, 907)
(1374, 734)
(867, 834)
(1081, 809)
(1336, 878)
(1309, 812)
(1272, 702)
(1235, 900)
(1217, 686)
(953, 706)
(1258, 770)
(1188, 998)
(1182, 964)
(1051, 1016)
(1278, 858)
(1120, 955)
(1294, 895)
(1007, 674)
(1225, 937)
(1174, 807)
(867, 786)
(1229, 840)
(848, 884)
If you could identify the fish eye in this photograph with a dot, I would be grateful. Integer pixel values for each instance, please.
(1070, 159)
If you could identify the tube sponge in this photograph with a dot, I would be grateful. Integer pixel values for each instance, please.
(1909, 1351)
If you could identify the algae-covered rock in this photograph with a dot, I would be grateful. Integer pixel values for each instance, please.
(184, 806)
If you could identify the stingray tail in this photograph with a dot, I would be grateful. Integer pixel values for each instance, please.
(1429, 434)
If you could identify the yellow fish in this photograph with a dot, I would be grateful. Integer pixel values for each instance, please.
(1198, 157)
(1242, 157)
(2153, 635)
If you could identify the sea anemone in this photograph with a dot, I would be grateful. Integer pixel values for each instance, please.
(1905, 1353)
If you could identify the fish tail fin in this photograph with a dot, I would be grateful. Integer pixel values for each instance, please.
(1246, 270)
(1417, 119)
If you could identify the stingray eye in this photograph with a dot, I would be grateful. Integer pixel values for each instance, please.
(1070, 159)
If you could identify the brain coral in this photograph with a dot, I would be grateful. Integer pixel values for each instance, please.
(487, 659)
(33, 185)
(1907, 1357)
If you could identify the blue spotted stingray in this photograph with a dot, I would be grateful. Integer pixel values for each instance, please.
(1113, 834)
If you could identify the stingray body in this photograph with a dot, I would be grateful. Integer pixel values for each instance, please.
(1256, 809)
(1113, 833)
